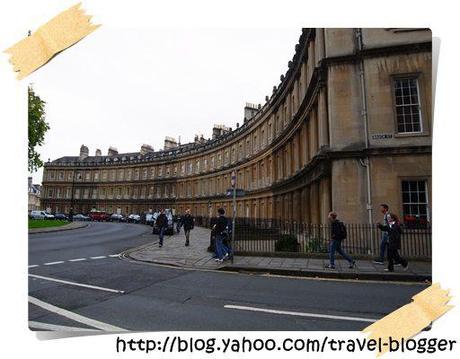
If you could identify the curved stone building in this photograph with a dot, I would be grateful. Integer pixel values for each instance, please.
(348, 127)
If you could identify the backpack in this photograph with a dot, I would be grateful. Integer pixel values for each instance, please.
(342, 230)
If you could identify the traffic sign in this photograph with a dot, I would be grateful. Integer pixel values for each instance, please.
(233, 181)
(239, 192)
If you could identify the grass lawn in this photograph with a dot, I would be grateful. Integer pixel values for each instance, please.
(42, 223)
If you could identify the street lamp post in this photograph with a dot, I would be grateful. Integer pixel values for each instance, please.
(233, 183)
(71, 196)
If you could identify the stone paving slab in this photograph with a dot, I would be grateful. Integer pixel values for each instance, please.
(175, 253)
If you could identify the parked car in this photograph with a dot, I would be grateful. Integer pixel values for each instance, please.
(117, 218)
(80, 217)
(40, 215)
(148, 219)
(134, 218)
(61, 216)
(99, 216)
(170, 226)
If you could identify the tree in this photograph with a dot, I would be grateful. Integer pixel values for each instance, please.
(37, 128)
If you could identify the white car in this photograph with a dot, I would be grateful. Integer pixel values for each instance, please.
(149, 219)
(80, 217)
(134, 218)
(40, 215)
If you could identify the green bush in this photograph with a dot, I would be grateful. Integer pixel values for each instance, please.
(316, 245)
(286, 243)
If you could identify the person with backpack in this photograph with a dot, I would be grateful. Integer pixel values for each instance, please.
(161, 223)
(338, 234)
(394, 231)
(189, 223)
(220, 229)
(384, 240)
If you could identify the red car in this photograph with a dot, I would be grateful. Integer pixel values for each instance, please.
(99, 216)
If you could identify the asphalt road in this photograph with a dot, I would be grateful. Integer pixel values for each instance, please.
(126, 295)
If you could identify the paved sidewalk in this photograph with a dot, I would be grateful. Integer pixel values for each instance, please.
(65, 227)
(196, 256)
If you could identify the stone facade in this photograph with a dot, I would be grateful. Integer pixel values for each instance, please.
(34, 191)
(348, 127)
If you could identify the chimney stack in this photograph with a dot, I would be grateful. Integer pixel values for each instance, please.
(30, 181)
(84, 152)
(200, 138)
(170, 143)
(98, 152)
(250, 110)
(219, 130)
(146, 149)
(112, 151)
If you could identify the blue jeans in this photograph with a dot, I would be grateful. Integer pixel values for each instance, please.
(383, 246)
(336, 246)
(221, 248)
(162, 233)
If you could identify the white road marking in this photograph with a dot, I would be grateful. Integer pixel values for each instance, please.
(77, 284)
(58, 328)
(77, 259)
(52, 263)
(74, 260)
(76, 317)
(300, 314)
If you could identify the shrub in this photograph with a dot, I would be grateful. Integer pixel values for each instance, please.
(316, 245)
(286, 243)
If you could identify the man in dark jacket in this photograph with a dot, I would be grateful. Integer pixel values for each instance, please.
(394, 242)
(220, 229)
(338, 234)
(161, 224)
(384, 240)
(188, 222)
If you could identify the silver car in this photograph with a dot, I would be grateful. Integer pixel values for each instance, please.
(40, 215)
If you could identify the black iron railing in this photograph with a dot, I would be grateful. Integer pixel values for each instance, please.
(272, 236)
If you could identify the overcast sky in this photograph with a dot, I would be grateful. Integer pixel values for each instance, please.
(127, 87)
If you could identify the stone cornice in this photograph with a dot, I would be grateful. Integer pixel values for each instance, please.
(191, 152)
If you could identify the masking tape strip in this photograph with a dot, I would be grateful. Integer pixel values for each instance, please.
(412, 318)
(61, 32)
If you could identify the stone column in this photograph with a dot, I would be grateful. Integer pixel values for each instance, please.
(306, 143)
(297, 206)
(319, 42)
(299, 149)
(307, 205)
(325, 198)
(313, 133)
(314, 203)
(270, 213)
(323, 131)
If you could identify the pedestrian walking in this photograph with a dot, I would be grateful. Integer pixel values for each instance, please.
(189, 223)
(212, 239)
(178, 223)
(161, 223)
(384, 209)
(338, 234)
(393, 229)
(220, 229)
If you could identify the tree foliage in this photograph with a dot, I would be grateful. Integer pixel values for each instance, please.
(37, 128)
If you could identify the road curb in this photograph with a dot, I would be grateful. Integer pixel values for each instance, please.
(127, 253)
(389, 277)
(65, 227)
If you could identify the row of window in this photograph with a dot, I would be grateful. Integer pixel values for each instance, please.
(415, 203)
(408, 116)
(204, 187)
